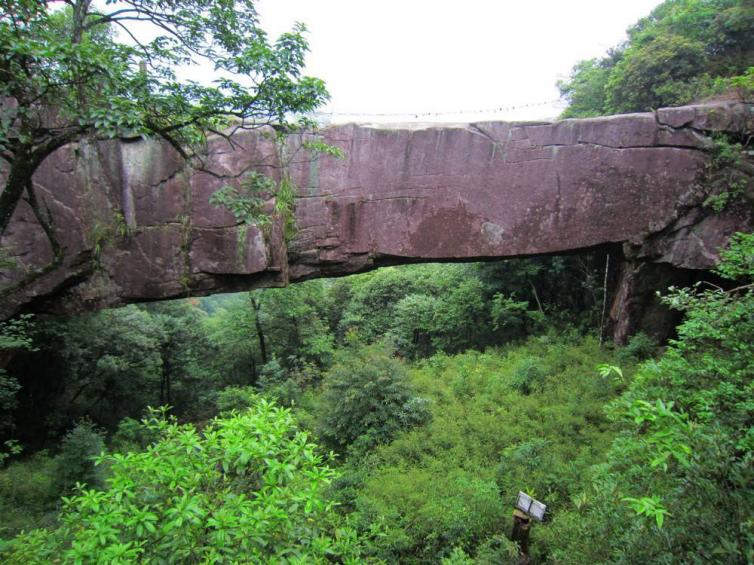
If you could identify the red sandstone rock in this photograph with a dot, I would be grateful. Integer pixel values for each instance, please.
(136, 223)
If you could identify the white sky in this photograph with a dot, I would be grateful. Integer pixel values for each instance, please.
(415, 56)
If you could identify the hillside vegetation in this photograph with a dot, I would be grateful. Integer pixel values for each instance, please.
(685, 50)
(393, 416)
(641, 455)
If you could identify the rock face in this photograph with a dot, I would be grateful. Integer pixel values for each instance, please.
(135, 222)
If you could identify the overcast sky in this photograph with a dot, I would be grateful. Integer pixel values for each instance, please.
(416, 56)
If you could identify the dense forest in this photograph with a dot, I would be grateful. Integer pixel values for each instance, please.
(393, 416)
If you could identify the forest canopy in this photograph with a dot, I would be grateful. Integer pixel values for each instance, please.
(683, 51)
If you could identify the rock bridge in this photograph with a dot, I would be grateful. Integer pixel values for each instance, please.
(134, 223)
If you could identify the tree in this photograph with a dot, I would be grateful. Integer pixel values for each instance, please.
(414, 324)
(14, 335)
(585, 89)
(110, 365)
(294, 321)
(682, 51)
(187, 378)
(74, 464)
(657, 74)
(66, 75)
(288, 324)
(230, 329)
(373, 297)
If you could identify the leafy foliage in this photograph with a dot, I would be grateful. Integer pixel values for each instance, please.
(28, 495)
(247, 488)
(452, 481)
(737, 261)
(433, 452)
(649, 506)
(66, 75)
(247, 203)
(499, 393)
(236, 398)
(684, 50)
(685, 463)
(639, 348)
(586, 88)
(110, 365)
(367, 399)
(75, 463)
(16, 334)
(9, 387)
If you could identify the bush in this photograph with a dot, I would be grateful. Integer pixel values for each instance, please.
(249, 488)
(367, 397)
(236, 398)
(131, 435)
(75, 462)
(9, 387)
(451, 483)
(285, 387)
(678, 482)
(28, 494)
(639, 348)
(527, 377)
(413, 325)
(497, 550)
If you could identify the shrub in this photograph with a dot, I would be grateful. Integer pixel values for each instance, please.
(249, 488)
(75, 462)
(236, 398)
(639, 348)
(131, 435)
(285, 387)
(28, 494)
(413, 325)
(451, 483)
(271, 374)
(496, 551)
(527, 377)
(9, 387)
(367, 397)
(677, 484)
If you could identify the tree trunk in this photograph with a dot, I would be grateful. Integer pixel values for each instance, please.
(80, 12)
(260, 333)
(167, 370)
(253, 371)
(168, 395)
(21, 172)
(536, 297)
(520, 534)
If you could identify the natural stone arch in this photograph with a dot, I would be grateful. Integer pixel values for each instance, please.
(135, 223)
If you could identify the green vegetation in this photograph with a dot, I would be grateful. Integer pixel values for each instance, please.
(683, 51)
(247, 488)
(442, 390)
(366, 399)
(451, 482)
(250, 201)
(684, 456)
(640, 456)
